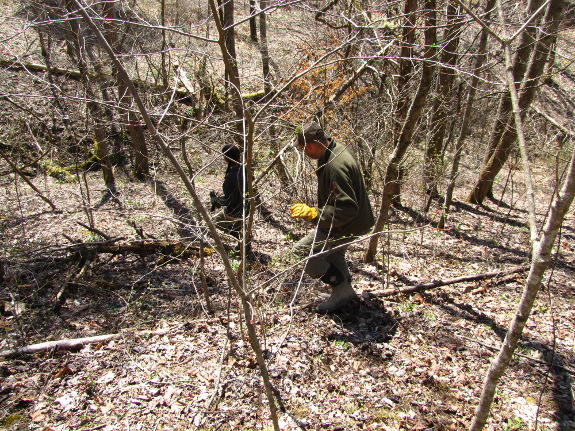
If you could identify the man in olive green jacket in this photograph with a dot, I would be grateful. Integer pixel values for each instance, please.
(343, 213)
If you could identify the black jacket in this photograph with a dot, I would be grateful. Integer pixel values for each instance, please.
(233, 199)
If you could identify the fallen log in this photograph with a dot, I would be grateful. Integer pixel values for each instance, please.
(72, 343)
(144, 247)
(172, 248)
(439, 283)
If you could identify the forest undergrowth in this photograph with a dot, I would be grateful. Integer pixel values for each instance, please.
(129, 266)
(383, 362)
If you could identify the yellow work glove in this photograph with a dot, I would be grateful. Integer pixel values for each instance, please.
(300, 210)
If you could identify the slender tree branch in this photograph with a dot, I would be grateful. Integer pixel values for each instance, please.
(440, 283)
(531, 18)
(480, 21)
(519, 126)
(23, 176)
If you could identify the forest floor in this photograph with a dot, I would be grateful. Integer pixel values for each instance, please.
(400, 362)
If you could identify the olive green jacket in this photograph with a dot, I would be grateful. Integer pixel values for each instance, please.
(343, 205)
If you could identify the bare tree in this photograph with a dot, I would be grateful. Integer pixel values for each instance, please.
(407, 44)
(97, 112)
(541, 241)
(372, 80)
(433, 163)
(164, 71)
(253, 22)
(541, 258)
(135, 128)
(465, 121)
(232, 276)
(264, 48)
(404, 139)
(227, 42)
(501, 142)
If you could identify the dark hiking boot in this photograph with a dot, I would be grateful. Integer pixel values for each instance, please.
(340, 295)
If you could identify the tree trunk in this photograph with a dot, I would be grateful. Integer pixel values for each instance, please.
(539, 263)
(46, 50)
(404, 140)
(405, 66)
(499, 149)
(433, 163)
(232, 277)
(227, 41)
(264, 48)
(141, 168)
(479, 60)
(253, 22)
(541, 244)
(540, 53)
(404, 76)
(164, 71)
(96, 112)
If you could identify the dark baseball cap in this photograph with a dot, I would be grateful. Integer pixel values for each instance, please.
(310, 132)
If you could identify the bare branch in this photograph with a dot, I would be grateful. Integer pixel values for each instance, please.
(72, 343)
(27, 181)
(440, 283)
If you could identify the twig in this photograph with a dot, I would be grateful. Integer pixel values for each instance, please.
(204, 279)
(272, 163)
(97, 427)
(553, 121)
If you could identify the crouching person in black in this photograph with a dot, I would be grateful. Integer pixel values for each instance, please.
(230, 217)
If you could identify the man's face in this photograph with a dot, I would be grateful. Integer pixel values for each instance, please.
(313, 149)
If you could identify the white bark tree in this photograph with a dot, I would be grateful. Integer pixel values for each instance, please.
(542, 241)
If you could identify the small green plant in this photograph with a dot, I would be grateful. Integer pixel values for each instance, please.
(191, 112)
(384, 413)
(9, 420)
(349, 408)
(504, 398)
(407, 307)
(91, 236)
(342, 344)
(515, 424)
